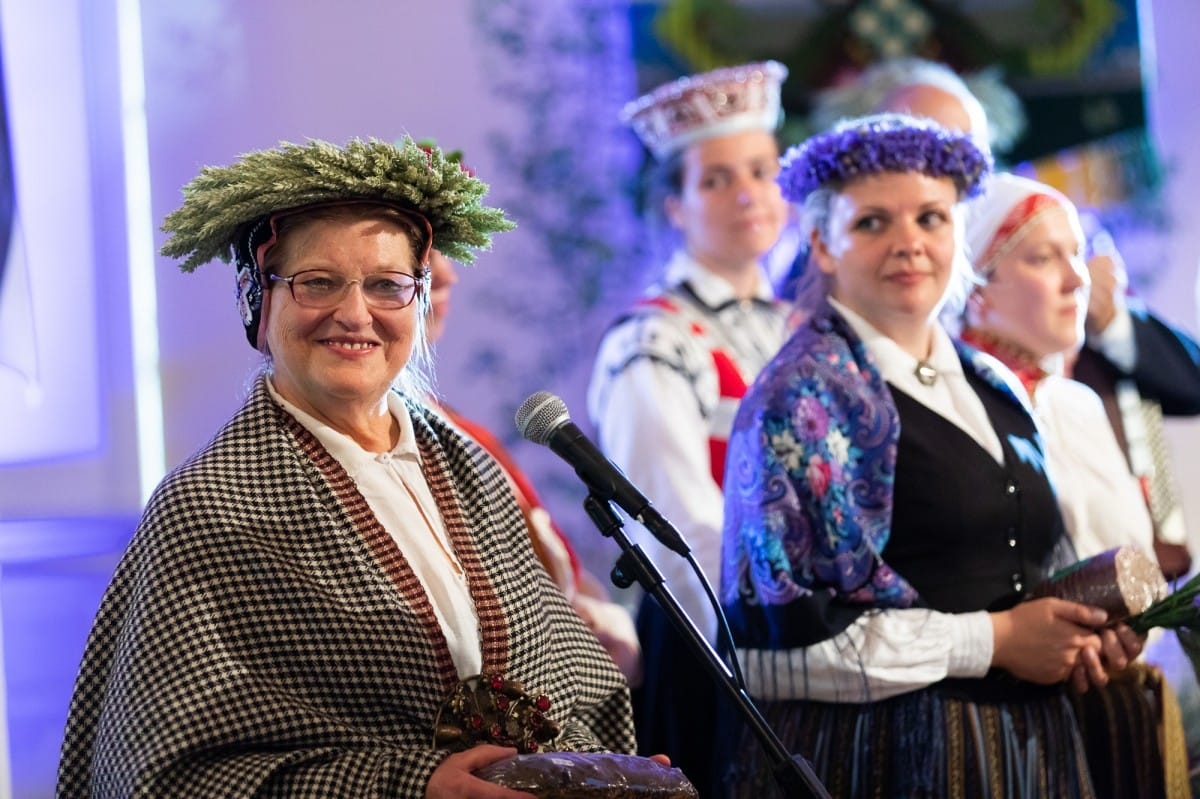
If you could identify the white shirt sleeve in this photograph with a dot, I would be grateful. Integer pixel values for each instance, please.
(650, 424)
(1117, 342)
(882, 654)
(1101, 501)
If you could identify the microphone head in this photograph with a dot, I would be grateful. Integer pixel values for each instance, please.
(540, 415)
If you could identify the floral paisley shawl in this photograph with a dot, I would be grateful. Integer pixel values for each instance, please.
(811, 470)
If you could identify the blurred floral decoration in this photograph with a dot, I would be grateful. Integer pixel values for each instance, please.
(565, 168)
(1075, 65)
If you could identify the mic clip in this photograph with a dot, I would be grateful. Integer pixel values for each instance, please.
(608, 521)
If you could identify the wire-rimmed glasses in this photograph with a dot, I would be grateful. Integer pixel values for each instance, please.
(321, 289)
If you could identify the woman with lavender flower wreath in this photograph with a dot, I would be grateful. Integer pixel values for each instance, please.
(887, 508)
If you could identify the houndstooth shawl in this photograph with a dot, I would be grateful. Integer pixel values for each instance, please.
(264, 636)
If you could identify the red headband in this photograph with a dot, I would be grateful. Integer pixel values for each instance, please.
(1007, 235)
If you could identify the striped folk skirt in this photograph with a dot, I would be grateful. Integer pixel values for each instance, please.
(923, 745)
(1133, 731)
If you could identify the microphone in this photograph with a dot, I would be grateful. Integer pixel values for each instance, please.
(543, 419)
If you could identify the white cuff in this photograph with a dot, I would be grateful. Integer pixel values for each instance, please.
(971, 644)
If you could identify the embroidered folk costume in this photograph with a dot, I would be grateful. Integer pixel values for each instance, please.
(669, 373)
(1024, 238)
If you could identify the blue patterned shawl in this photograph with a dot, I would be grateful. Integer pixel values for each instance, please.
(811, 470)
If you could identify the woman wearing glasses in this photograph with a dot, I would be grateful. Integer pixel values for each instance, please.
(335, 597)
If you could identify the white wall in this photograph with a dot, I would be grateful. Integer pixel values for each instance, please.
(62, 425)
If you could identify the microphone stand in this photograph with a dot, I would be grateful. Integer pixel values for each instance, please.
(792, 772)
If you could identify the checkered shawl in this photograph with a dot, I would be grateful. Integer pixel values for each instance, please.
(264, 636)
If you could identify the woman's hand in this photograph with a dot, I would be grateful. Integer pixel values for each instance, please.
(1119, 646)
(1043, 640)
(453, 778)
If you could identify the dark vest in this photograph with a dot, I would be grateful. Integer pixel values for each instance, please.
(967, 532)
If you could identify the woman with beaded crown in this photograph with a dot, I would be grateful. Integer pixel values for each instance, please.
(669, 373)
(887, 508)
(336, 596)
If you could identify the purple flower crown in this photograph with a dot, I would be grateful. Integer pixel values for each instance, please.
(883, 143)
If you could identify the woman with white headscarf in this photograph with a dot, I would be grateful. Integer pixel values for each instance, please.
(1026, 244)
(1027, 247)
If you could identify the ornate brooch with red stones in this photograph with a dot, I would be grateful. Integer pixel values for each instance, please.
(488, 709)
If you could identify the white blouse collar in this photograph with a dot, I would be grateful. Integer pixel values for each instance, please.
(712, 289)
(345, 449)
(897, 366)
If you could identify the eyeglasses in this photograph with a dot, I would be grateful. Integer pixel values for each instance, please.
(316, 288)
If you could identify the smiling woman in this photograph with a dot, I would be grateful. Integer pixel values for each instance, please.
(304, 596)
(335, 350)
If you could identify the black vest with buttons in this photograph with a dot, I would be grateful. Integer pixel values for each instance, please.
(967, 532)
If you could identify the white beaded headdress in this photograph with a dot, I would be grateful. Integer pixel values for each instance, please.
(717, 103)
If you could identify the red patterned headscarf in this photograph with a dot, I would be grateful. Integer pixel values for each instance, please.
(999, 219)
